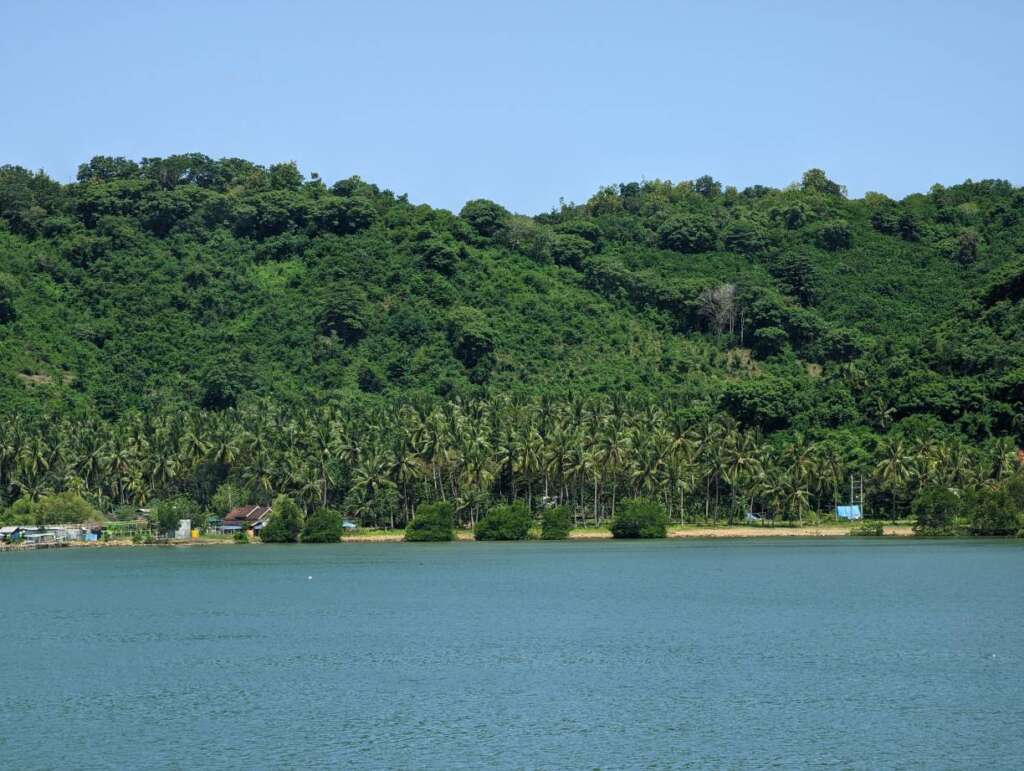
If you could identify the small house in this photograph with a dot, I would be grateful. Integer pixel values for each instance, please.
(252, 518)
(66, 532)
(40, 535)
(13, 533)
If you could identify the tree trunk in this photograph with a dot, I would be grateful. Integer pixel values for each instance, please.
(707, 500)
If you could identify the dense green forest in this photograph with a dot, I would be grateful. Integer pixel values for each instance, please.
(184, 325)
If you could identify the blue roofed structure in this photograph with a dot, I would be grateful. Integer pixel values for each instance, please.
(849, 512)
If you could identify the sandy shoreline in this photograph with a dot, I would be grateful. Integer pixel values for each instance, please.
(723, 531)
(806, 531)
(589, 534)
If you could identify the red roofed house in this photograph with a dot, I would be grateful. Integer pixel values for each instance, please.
(252, 518)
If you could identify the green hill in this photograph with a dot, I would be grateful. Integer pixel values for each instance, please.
(183, 284)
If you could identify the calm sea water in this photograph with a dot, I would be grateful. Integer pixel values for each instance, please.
(679, 654)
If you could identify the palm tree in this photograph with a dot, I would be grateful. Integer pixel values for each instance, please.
(585, 467)
(647, 467)
(531, 459)
(507, 459)
(612, 445)
(831, 470)
(895, 469)
(585, 451)
(370, 477)
(741, 463)
(798, 460)
(557, 448)
(795, 494)
(1004, 462)
(404, 470)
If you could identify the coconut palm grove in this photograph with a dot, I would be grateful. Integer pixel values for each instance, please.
(204, 333)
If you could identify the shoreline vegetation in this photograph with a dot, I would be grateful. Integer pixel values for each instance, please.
(828, 530)
(934, 513)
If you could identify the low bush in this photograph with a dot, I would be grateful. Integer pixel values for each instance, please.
(640, 518)
(1014, 487)
(555, 523)
(936, 510)
(53, 509)
(870, 528)
(992, 512)
(432, 522)
(285, 523)
(323, 526)
(165, 515)
(511, 522)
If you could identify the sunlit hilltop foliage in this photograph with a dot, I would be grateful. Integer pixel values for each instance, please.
(170, 325)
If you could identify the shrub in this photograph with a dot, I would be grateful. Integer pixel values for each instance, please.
(1015, 489)
(992, 512)
(510, 522)
(433, 522)
(323, 526)
(58, 508)
(285, 522)
(640, 518)
(167, 514)
(21, 512)
(935, 509)
(869, 527)
(555, 523)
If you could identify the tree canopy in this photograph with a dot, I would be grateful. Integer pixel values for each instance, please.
(172, 325)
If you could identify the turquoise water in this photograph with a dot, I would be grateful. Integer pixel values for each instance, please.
(679, 654)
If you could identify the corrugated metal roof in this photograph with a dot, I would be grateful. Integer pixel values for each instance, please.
(246, 514)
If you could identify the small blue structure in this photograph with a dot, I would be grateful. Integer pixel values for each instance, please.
(14, 533)
(849, 512)
(348, 524)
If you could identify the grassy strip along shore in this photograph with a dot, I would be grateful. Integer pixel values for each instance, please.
(833, 530)
(686, 531)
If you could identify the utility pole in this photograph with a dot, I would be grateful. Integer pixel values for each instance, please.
(856, 493)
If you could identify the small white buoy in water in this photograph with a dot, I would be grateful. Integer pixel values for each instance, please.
(309, 578)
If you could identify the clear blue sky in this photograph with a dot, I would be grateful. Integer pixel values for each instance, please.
(524, 102)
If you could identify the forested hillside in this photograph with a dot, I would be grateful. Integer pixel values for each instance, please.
(188, 296)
